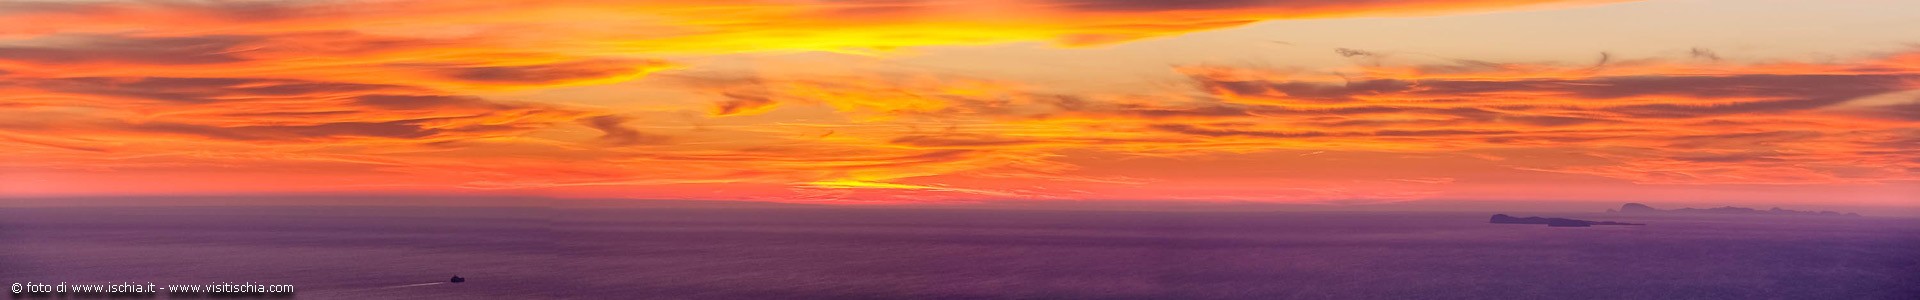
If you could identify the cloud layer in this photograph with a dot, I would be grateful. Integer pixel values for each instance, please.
(645, 100)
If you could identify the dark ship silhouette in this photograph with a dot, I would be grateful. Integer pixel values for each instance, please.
(457, 279)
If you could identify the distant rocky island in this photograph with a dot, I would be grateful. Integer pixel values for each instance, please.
(1637, 208)
(1551, 222)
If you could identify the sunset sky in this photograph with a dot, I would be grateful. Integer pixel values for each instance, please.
(904, 101)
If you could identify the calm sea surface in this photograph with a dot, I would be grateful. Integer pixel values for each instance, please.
(846, 253)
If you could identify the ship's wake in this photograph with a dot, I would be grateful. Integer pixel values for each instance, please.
(413, 285)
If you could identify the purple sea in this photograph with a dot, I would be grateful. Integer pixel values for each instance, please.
(870, 253)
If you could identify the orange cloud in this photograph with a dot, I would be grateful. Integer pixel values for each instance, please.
(716, 26)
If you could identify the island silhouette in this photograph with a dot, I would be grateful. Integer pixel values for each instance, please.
(1551, 222)
(1637, 208)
